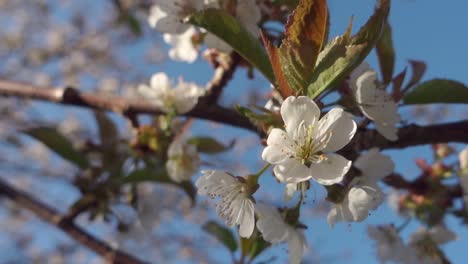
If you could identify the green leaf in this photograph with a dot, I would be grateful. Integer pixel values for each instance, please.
(438, 91)
(159, 175)
(386, 54)
(263, 120)
(108, 132)
(208, 145)
(305, 33)
(342, 55)
(258, 246)
(222, 234)
(334, 67)
(254, 245)
(59, 144)
(418, 69)
(131, 22)
(294, 61)
(112, 156)
(229, 29)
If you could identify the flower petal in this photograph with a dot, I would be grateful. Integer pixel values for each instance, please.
(271, 224)
(374, 166)
(361, 201)
(389, 131)
(160, 83)
(341, 126)
(247, 222)
(331, 170)
(289, 191)
(279, 148)
(357, 72)
(186, 95)
(182, 46)
(339, 213)
(292, 171)
(295, 110)
(296, 245)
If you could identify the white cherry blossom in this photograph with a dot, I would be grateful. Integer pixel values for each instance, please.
(182, 46)
(275, 230)
(183, 160)
(303, 151)
(236, 205)
(167, 15)
(161, 93)
(364, 195)
(374, 102)
(424, 244)
(390, 246)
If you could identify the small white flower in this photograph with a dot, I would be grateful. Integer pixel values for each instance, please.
(275, 230)
(424, 244)
(167, 15)
(161, 93)
(364, 194)
(236, 205)
(390, 246)
(183, 160)
(374, 102)
(182, 48)
(302, 152)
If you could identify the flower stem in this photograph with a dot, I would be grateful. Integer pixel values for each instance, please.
(402, 226)
(252, 180)
(262, 170)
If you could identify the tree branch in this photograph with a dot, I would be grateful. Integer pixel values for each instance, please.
(411, 135)
(67, 225)
(408, 136)
(125, 106)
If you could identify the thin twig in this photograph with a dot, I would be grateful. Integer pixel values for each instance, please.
(66, 224)
(223, 73)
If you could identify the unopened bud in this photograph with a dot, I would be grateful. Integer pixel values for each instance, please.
(442, 151)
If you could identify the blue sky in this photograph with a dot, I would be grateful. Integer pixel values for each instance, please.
(428, 30)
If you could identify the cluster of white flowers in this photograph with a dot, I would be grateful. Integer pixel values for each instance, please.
(163, 95)
(374, 102)
(364, 194)
(300, 152)
(303, 150)
(421, 248)
(168, 16)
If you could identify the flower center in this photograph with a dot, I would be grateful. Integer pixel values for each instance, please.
(309, 150)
